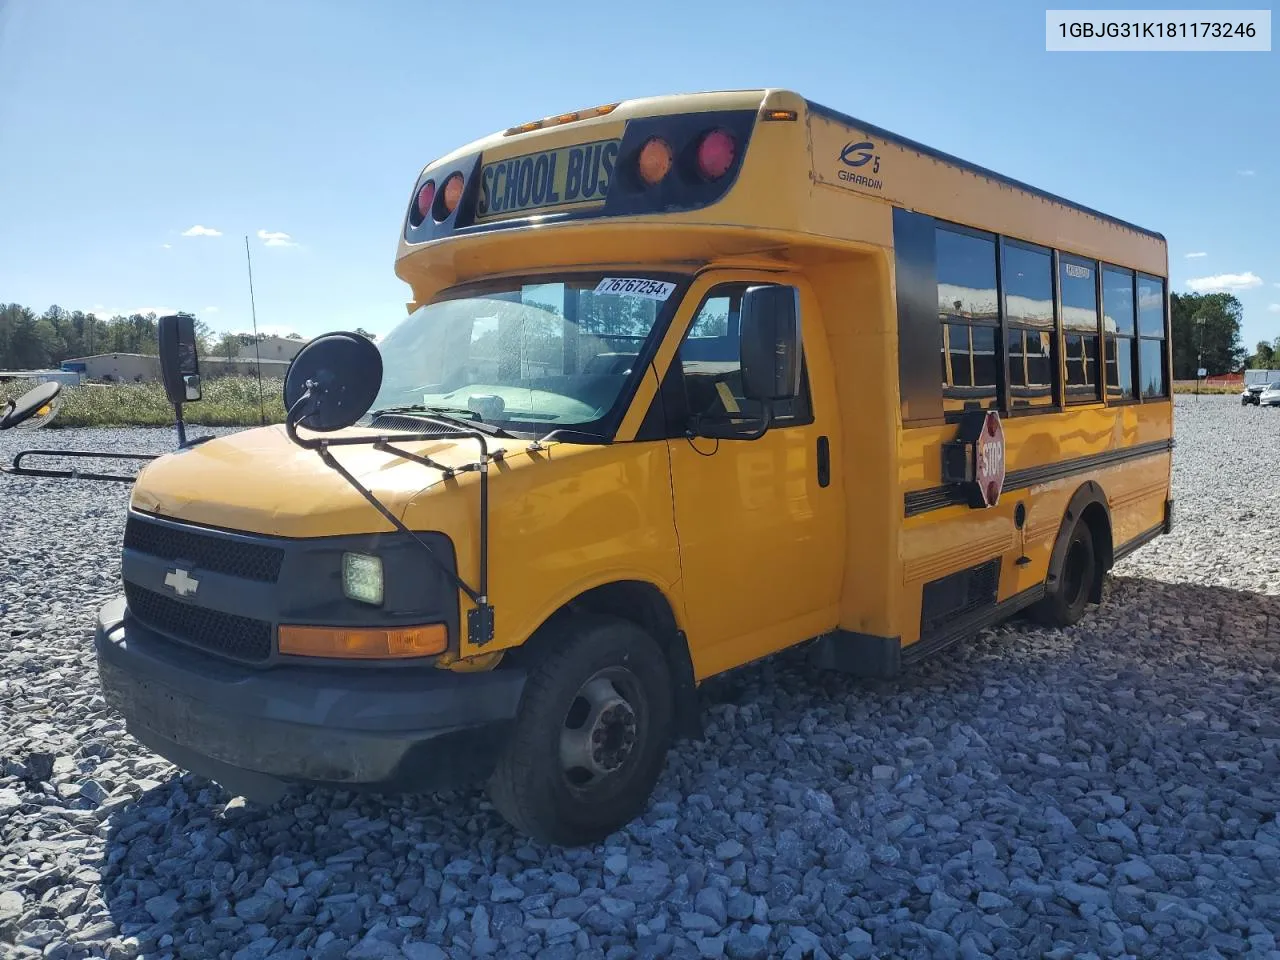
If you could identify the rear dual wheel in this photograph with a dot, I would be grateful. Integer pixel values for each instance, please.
(1065, 601)
(591, 736)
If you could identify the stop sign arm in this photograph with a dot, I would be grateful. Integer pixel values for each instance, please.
(975, 459)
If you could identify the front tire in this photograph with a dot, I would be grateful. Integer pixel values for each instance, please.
(1064, 603)
(591, 736)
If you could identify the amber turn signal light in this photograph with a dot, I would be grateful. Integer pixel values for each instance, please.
(363, 644)
(452, 193)
(654, 162)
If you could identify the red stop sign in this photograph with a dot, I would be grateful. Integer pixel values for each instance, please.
(989, 468)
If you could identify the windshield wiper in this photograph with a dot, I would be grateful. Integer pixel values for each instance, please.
(584, 436)
(470, 421)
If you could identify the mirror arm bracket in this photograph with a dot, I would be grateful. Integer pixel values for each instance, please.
(384, 445)
(766, 421)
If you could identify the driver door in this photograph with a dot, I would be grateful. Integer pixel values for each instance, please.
(760, 522)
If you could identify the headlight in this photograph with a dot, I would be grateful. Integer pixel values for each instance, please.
(362, 577)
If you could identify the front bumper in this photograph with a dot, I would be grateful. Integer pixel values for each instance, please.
(255, 730)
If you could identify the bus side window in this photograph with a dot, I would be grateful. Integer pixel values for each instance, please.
(970, 318)
(1030, 332)
(1077, 280)
(710, 366)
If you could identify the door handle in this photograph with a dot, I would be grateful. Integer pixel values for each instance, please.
(824, 461)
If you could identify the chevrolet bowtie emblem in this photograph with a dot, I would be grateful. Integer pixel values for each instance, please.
(181, 582)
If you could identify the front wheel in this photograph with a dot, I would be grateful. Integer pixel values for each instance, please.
(591, 736)
(1064, 603)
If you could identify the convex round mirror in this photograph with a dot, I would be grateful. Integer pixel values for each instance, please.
(30, 403)
(332, 382)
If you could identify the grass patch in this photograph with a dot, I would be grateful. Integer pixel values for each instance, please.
(228, 402)
(1189, 386)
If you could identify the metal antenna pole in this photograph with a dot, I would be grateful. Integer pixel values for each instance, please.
(257, 354)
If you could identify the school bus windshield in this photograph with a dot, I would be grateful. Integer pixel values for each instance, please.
(555, 351)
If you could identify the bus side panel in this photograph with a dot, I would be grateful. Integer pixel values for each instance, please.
(857, 302)
(953, 538)
(1138, 490)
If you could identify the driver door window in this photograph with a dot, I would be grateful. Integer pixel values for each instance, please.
(709, 364)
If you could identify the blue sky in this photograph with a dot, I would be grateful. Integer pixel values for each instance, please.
(126, 123)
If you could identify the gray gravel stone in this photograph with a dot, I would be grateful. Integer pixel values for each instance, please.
(728, 849)
(1106, 790)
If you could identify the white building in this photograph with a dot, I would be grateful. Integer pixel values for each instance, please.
(269, 348)
(142, 368)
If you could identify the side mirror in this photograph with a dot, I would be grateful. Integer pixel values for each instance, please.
(771, 350)
(179, 365)
(29, 404)
(332, 382)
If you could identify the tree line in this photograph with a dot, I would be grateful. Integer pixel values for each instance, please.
(41, 341)
(1206, 333)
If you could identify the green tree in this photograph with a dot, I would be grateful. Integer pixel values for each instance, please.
(204, 338)
(28, 341)
(1206, 333)
(227, 345)
(1263, 357)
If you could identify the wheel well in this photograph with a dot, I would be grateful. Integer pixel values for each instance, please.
(1099, 523)
(644, 605)
(1088, 505)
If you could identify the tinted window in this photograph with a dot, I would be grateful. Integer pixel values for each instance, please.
(1079, 295)
(1028, 286)
(985, 358)
(712, 321)
(1119, 367)
(1150, 308)
(1030, 367)
(1152, 361)
(971, 352)
(1117, 301)
(1082, 364)
(710, 361)
(966, 276)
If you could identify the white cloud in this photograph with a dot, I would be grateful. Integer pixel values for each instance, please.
(1274, 308)
(199, 231)
(1224, 282)
(166, 246)
(1246, 173)
(276, 238)
(210, 309)
(1195, 256)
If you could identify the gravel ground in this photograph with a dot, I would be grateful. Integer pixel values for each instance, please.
(1109, 790)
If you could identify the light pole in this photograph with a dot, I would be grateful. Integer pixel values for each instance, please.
(1199, 355)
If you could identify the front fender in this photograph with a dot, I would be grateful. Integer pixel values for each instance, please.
(562, 521)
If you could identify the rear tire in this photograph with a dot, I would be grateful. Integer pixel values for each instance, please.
(1064, 603)
(591, 736)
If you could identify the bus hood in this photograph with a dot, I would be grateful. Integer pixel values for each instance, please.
(258, 481)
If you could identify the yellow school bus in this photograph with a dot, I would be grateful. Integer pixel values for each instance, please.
(682, 382)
